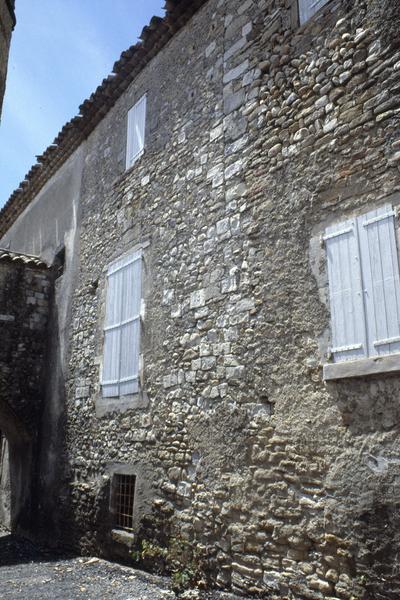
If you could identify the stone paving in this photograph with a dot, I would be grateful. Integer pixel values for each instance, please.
(30, 573)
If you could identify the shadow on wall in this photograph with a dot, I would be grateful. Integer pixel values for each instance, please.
(33, 493)
(363, 486)
(368, 405)
(52, 512)
(379, 531)
(17, 470)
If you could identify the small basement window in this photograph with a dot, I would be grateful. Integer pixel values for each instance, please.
(124, 498)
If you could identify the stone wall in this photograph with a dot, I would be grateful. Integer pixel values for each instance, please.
(7, 22)
(259, 134)
(24, 299)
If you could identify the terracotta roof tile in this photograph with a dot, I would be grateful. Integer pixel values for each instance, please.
(26, 259)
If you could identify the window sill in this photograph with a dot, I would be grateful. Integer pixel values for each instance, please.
(362, 368)
(123, 537)
(105, 406)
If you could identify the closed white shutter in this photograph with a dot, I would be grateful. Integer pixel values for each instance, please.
(380, 269)
(112, 336)
(130, 327)
(136, 131)
(345, 291)
(308, 8)
(122, 327)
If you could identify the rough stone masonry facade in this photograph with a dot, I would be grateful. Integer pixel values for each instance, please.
(259, 134)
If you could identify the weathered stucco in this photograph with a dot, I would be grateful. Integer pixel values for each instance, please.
(47, 225)
(258, 134)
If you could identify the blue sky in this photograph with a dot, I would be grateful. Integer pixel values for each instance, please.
(60, 52)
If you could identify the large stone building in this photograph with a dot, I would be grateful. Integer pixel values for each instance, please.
(7, 24)
(222, 352)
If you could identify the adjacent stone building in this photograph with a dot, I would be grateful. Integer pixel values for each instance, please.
(222, 366)
(7, 24)
(25, 286)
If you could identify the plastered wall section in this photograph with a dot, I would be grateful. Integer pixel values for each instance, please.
(48, 224)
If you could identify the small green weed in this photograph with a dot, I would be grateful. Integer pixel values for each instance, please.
(179, 559)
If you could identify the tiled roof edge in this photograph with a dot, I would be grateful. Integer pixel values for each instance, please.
(153, 38)
(26, 259)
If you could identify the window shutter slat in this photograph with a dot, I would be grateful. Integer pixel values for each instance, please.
(307, 8)
(136, 131)
(122, 327)
(112, 337)
(381, 280)
(112, 346)
(130, 338)
(132, 289)
(114, 296)
(345, 289)
(130, 334)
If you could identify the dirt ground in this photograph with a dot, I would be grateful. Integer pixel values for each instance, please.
(29, 573)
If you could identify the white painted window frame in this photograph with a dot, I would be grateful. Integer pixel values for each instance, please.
(308, 8)
(136, 131)
(365, 321)
(116, 321)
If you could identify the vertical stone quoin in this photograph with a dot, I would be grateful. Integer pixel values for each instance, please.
(260, 134)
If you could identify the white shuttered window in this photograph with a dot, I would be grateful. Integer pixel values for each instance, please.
(364, 286)
(308, 8)
(122, 327)
(136, 131)
(345, 291)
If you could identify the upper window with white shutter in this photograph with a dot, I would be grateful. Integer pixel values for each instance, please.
(120, 376)
(308, 8)
(136, 132)
(364, 287)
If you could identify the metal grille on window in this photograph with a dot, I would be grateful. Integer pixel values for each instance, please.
(124, 500)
